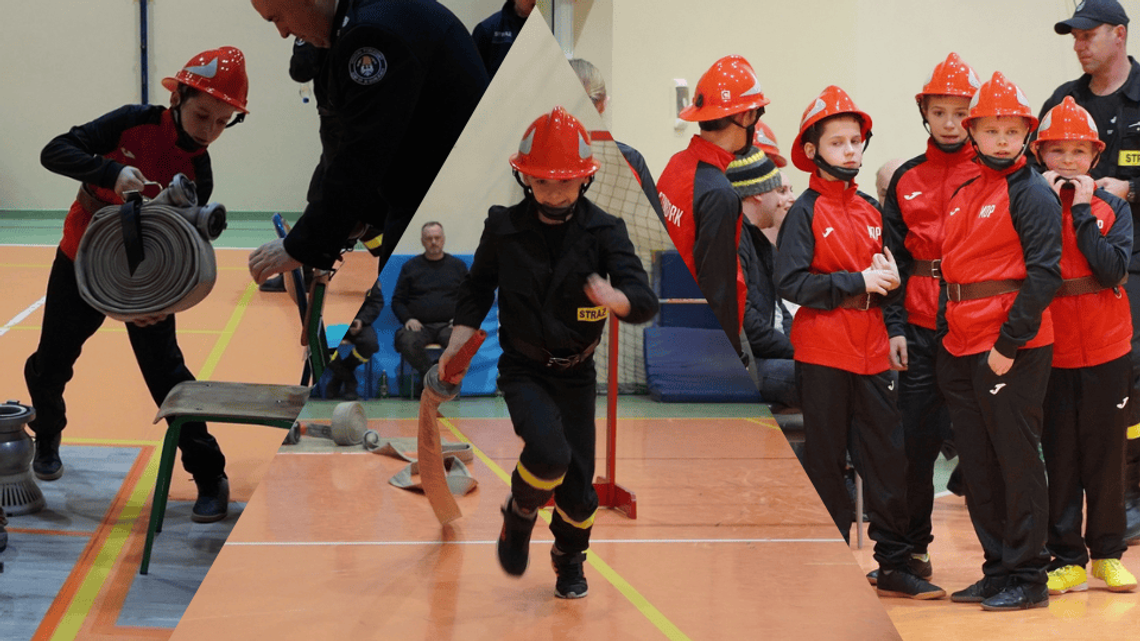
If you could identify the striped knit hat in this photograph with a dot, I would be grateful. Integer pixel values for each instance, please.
(753, 173)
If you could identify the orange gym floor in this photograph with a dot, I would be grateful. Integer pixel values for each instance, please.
(730, 542)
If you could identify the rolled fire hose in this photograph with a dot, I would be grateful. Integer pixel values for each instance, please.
(150, 258)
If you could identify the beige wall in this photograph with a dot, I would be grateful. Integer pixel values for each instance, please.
(880, 51)
(65, 63)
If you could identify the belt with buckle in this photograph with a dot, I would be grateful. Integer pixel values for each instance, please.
(931, 268)
(88, 201)
(541, 355)
(959, 292)
(1084, 285)
(861, 302)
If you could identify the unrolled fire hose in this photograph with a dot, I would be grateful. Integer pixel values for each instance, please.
(150, 258)
(440, 387)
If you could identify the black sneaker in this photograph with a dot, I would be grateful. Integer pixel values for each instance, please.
(571, 583)
(514, 539)
(1018, 597)
(1132, 521)
(274, 284)
(980, 591)
(46, 464)
(213, 502)
(918, 564)
(902, 583)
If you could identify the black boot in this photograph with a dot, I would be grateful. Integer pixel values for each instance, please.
(343, 381)
(213, 502)
(571, 582)
(46, 464)
(514, 539)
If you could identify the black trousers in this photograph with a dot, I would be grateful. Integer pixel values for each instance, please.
(553, 413)
(997, 431)
(1083, 442)
(411, 345)
(846, 412)
(68, 322)
(926, 426)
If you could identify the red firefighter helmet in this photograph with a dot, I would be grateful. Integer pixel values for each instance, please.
(729, 87)
(951, 77)
(766, 141)
(217, 72)
(1000, 97)
(555, 146)
(831, 102)
(1067, 121)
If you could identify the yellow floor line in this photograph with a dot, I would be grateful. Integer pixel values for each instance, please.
(81, 606)
(659, 620)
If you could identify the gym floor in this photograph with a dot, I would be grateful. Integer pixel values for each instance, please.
(729, 542)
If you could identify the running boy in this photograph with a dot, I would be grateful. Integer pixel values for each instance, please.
(1085, 405)
(832, 262)
(116, 153)
(914, 211)
(561, 266)
(999, 266)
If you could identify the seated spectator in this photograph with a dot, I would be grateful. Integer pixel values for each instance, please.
(424, 301)
(767, 322)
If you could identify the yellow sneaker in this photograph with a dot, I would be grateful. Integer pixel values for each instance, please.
(1113, 572)
(1071, 578)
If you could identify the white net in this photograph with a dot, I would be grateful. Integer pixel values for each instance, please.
(617, 191)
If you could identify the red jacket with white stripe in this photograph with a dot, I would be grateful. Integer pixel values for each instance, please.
(1002, 225)
(914, 212)
(828, 238)
(1095, 328)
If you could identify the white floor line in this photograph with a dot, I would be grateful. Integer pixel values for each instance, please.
(489, 542)
(19, 318)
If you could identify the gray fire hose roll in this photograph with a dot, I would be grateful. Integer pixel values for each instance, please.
(178, 269)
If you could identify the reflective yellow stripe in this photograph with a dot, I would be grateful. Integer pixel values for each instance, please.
(1134, 431)
(374, 242)
(358, 357)
(581, 525)
(535, 482)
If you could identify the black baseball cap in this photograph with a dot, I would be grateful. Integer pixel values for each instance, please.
(1091, 14)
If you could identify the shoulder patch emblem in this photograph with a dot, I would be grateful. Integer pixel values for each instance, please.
(367, 66)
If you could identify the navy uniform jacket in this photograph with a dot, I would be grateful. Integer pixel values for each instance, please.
(541, 301)
(401, 77)
(495, 35)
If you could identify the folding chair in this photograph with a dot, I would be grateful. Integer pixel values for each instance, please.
(242, 403)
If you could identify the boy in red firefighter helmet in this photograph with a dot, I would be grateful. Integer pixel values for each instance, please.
(561, 265)
(833, 263)
(914, 210)
(1086, 415)
(999, 272)
(119, 152)
(702, 210)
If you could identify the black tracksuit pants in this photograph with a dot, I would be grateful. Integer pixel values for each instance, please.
(1083, 441)
(68, 322)
(553, 413)
(997, 431)
(926, 426)
(846, 412)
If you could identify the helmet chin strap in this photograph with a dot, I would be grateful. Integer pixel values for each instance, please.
(998, 164)
(184, 139)
(949, 149)
(842, 173)
(554, 213)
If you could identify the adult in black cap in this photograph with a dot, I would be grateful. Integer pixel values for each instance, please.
(1110, 91)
